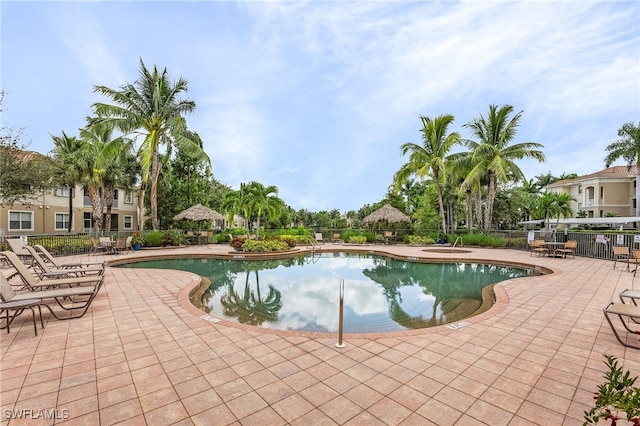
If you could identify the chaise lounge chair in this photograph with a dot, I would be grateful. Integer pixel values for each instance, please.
(69, 295)
(43, 270)
(18, 247)
(48, 257)
(32, 283)
(623, 312)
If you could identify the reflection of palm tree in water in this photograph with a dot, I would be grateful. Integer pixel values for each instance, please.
(250, 308)
(454, 299)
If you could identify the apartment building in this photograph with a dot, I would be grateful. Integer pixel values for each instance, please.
(49, 213)
(608, 192)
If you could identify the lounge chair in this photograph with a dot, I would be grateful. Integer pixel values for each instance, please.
(319, 238)
(623, 312)
(43, 270)
(568, 248)
(335, 238)
(48, 257)
(18, 247)
(621, 253)
(69, 295)
(32, 282)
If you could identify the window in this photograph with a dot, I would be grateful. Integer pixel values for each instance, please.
(87, 223)
(62, 221)
(579, 189)
(20, 221)
(128, 222)
(128, 197)
(115, 194)
(62, 191)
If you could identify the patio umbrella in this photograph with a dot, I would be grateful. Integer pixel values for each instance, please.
(386, 213)
(198, 213)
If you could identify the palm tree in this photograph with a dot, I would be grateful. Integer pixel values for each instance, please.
(151, 108)
(492, 155)
(429, 158)
(263, 199)
(551, 204)
(112, 157)
(68, 170)
(237, 202)
(628, 148)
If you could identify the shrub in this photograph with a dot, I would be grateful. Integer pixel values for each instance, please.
(357, 239)
(482, 240)
(264, 246)
(291, 240)
(174, 237)
(418, 240)
(153, 238)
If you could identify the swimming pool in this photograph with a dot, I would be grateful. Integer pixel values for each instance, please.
(302, 293)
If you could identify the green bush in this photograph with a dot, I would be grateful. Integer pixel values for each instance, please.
(482, 240)
(153, 238)
(418, 240)
(370, 236)
(174, 237)
(264, 246)
(357, 239)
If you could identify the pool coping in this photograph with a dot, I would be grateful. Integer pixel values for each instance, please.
(185, 295)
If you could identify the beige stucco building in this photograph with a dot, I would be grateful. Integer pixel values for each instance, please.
(49, 213)
(608, 192)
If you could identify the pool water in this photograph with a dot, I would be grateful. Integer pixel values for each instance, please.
(302, 293)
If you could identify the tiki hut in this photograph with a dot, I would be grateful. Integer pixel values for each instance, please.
(388, 214)
(199, 213)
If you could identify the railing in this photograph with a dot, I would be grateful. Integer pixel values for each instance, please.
(590, 244)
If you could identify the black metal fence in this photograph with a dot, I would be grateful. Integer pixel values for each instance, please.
(590, 244)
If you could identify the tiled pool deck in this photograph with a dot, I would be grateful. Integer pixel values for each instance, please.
(144, 355)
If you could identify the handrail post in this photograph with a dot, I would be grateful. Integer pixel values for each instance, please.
(341, 316)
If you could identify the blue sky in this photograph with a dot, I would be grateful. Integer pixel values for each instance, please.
(316, 97)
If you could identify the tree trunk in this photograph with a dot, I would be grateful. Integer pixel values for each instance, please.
(155, 173)
(109, 195)
(96, 207)
(70, 209)
(479, 210)
(491, 193)
(638, 190)
(443, 220)
(469, 210)
(143, 189)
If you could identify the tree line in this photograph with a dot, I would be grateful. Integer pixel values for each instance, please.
(140, 140)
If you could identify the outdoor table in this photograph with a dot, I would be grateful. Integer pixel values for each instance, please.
(18, 306)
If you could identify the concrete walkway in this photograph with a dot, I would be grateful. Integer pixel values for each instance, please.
(144, 355)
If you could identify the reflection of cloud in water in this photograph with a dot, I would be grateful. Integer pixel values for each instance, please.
(310, 292)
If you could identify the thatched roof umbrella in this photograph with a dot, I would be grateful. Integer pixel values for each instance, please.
(386, 213)
(198, 213)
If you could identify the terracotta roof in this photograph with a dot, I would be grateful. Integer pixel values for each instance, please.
(612, 172)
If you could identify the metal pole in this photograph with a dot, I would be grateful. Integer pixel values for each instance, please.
(341, 316)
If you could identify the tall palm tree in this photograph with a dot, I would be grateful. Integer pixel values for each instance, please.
(264, 200)
(492, 154)
(112, 158)
(151, 107)
(628, 148)
(68, 170)
(429, 158)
